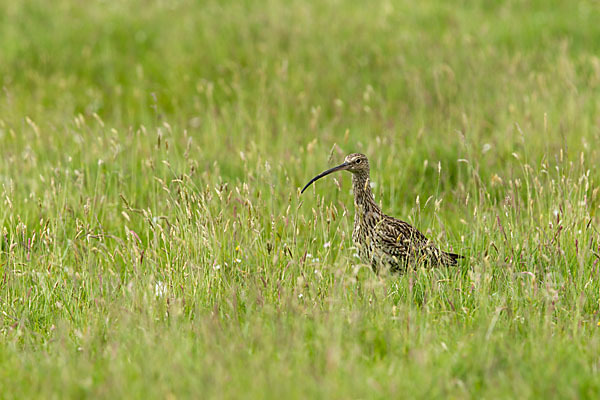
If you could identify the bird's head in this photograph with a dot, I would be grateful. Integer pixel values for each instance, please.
(356, 163)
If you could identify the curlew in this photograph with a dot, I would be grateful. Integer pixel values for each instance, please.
(383, 241)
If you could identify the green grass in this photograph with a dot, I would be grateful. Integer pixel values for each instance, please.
(153, 242)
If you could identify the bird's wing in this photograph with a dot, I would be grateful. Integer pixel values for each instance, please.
(400, 232)
(403, 241)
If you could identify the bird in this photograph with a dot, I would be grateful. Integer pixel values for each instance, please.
(382, 241)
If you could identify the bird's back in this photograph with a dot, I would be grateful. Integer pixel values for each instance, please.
(384, 241)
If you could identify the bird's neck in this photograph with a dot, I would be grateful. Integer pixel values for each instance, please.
(363, 197)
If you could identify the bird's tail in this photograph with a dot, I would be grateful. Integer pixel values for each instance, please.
(451, 258)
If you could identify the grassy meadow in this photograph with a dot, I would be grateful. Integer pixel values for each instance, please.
(154, 243)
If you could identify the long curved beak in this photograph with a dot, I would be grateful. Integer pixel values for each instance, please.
(340, 167)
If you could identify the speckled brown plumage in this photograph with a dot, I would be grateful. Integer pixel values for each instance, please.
(381, 240)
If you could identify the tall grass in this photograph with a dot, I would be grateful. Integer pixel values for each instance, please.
(154, 243)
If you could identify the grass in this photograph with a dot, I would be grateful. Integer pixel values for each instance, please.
(153, 242)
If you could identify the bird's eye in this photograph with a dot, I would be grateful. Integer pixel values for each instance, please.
(357, 161)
